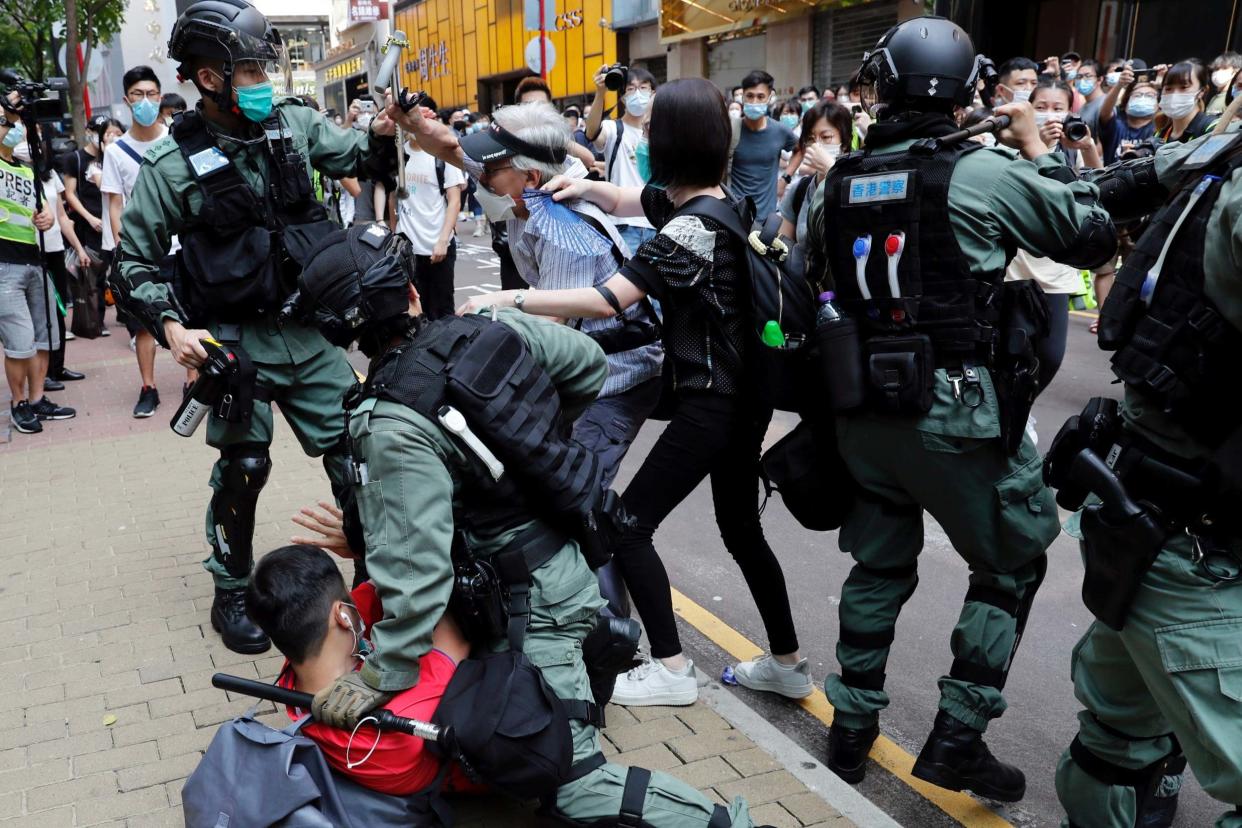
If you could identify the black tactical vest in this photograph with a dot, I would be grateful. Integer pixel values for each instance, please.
(880, 194)
(233, 265)
(1178, 350)
(484, 369)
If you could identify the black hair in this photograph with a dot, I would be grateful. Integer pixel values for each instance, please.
(1090, 63)
(1184, 71)
(836, 114)
(100, 125)
(689, 134)
(640, 75)
(806, 89)
(173, 101)
(534, 83)
(792, 105)
(1049, 82)
(756, 78)
(976, 116)
(137, 75)
(1016, 64)
(289, 596)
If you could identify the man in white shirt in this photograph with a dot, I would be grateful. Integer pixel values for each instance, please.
(619, 140)
(427, 217)
(121, 162)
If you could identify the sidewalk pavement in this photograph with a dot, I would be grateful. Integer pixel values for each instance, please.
(107, 653)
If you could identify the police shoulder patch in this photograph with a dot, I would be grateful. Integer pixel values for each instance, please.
(159, 149)
(882, 187)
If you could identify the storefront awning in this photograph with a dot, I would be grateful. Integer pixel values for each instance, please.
(683, 19)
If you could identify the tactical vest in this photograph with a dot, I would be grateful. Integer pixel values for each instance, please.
(484, 370)
(875, 195)
(1171, 343)
(233, 265)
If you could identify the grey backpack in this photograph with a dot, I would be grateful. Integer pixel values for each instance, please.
(253, 775)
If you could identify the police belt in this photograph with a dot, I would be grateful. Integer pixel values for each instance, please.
(1179, 489)
(515, 562)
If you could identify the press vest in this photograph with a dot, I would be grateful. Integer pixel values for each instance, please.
(1171, 344)
(233, 265)
(876, 195)
(17, 203)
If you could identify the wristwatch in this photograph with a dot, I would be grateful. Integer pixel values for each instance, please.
(519, 299)
(787, 178)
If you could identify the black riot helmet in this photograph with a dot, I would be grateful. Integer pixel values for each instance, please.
(927, 64)
(355, 286)
(231, 31)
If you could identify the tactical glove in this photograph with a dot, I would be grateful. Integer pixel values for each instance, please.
(347, 700)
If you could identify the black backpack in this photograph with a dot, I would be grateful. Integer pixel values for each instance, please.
(783, 375)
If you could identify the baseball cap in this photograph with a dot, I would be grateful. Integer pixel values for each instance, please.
(495, 143)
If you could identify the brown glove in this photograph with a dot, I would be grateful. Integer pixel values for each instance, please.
(347, 700)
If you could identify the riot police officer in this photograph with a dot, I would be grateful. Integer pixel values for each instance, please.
(456, 437)
(1158, 672)
(233, 182)
(913, 234)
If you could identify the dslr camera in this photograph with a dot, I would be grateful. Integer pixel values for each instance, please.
(30, 91)
(1074, 128)
(616, 77)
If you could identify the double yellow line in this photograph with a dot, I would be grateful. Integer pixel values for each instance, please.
(886, 753)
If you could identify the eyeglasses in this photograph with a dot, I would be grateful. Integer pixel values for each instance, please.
(138, 94)
(489, 173)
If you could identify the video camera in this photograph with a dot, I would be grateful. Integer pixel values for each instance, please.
(30, 91)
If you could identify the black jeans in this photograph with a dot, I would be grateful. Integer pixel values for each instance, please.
(1051, 351)
(60, 278)
(716, 436)
(435, 282)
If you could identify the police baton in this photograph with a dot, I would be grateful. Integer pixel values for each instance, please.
(385, 719)
(994, 124)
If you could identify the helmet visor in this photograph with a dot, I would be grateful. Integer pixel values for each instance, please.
(240, 46)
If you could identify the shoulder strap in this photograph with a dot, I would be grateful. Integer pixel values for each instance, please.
(130, 151)
(714, 208)
(440, 175)
(616, 147)
(599, 228)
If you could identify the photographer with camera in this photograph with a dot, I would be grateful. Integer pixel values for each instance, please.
(1127, 116)
(621, 139)
(26, 292)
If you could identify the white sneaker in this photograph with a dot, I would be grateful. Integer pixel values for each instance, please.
(478, 231)
(651, 684)
(69, 335)
(766, 673)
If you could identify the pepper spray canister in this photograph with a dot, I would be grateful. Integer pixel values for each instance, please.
(213, 380)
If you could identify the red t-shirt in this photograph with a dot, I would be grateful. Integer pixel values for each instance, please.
(400, 764)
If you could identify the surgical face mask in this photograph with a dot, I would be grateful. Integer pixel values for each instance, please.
(790, 121)
(1070, 74)
(15, 135)
(737, 98)
(362, 647)
(1142, 107)
(1112, 78)
(755, 111)
(1042, 118)
(1021, 95)
(91, 137)
(255, 101)
(146, 111)
(636, 102)
(833, 150)
(1178, 104)
(642, 159)
(495, 207)
(806, 105)
(1085, 86)
(1221, 77)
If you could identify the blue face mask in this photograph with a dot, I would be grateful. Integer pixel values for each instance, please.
(1085, 86)
(754, 111)
(146, 111)
(15, 135)
(255, 102)
(642, 159)
(790, 121)
(1143, 107)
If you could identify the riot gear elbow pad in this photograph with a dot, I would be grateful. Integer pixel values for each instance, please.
(1129, 190)
(1095, 244)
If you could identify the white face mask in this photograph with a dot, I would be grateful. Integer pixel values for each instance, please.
(1021, 95)
(637, 101)
(1178, 104)
(1042, 118)
(495, 207)
(833, 150)
(1221, 77)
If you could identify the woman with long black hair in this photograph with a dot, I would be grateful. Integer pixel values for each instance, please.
(694, 267)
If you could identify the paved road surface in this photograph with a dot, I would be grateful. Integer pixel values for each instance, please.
(1040, 721)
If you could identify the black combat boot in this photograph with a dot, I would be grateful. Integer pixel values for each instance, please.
(239, 633)
(956, 758)
(847, 750)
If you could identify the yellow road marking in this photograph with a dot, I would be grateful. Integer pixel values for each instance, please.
(1085, 314)
(961, 807)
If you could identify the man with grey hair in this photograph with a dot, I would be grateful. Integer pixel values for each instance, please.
(556, 248)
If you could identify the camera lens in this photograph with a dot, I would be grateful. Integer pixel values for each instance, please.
(1075, 129)
(616, 78)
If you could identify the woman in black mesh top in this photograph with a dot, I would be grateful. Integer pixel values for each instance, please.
(692, 267)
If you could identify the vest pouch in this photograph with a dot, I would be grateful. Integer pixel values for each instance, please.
(237, 402)
(601, 528)
(839, 355)
(781, 374)
(901, 372)
(1115, 559)
(231, 276)
(478, 598)
(1119, 314)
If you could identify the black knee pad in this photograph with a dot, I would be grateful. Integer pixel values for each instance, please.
(609, 649)
(1151, 811)
(244, 475)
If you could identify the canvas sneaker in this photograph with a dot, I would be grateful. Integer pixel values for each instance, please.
(766, 673)
(651, 684)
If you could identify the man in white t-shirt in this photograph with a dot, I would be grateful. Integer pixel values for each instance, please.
(121, 162)
(621, 159)
(427, 217)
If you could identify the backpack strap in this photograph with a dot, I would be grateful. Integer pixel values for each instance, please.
(584, 711)
(616, 148)
(800, 194)
(440, 177)
(130, 151)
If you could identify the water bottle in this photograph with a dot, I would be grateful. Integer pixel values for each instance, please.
(840, 356)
